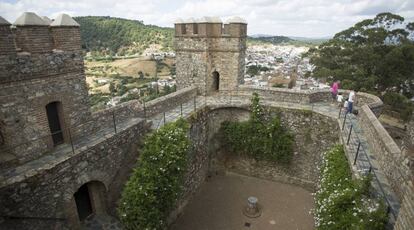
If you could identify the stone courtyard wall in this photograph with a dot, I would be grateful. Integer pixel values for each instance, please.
(314, 134)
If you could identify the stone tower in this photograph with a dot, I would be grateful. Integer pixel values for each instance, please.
(210, 55)
(43, 92)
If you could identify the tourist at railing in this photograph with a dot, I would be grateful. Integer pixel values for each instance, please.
(351, 100)
(334, 90)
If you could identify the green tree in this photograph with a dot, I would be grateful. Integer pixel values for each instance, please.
(141, 74)
(369, 57)
(152, 191)
(259, 137)
(112, 88)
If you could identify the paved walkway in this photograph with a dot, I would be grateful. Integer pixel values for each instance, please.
(60, 154)
(363, 161)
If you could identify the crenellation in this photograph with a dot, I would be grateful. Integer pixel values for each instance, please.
(33, 39)
(7, 45)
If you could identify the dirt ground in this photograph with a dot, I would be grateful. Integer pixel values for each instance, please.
(219, 202)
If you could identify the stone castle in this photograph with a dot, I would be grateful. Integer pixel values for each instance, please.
(60, 162)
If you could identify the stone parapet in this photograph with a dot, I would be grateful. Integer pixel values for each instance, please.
(135, 108)
(26, 66)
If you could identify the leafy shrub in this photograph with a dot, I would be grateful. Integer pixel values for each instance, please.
(156, 183)
(400, 104)
(343, 202)
(259, 138)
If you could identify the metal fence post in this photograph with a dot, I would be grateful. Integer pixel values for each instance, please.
(145, 111)
(71, 140)
(113, 119)
(340, 110)
(357, 152)
(349, 135)
(343, 124)
(164, 118)
(181, 109)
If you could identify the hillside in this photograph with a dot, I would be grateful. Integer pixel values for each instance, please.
(280, 40)
(108, 35)
(270, 39)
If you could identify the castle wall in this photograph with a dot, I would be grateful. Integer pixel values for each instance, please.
(33, 39)
(7, 45)
(198, 165)
(392, 161)
(396, 164)
(134, 108)
(49, 193)
(66, 38)
(23, 112)
(45, 66)
(313, 136)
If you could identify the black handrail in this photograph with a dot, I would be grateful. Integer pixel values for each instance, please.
(361, 149)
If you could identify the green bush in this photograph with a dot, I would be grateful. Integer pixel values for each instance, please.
(343, 202)
(156, 183)
(258, 137)
(400, 104)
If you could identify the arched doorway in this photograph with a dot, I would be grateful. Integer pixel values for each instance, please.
(90, 200)
(83, 202)
(54, 117)
(216, 81)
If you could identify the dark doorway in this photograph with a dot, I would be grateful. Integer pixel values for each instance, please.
(52, 110)
(216, 81)
(83, 202)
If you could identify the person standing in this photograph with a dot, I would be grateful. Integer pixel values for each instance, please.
(351, 100)
(334, 90)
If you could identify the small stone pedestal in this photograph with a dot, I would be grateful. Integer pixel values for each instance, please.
(252, 209)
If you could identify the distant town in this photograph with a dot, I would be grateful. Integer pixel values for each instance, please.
(152, 74)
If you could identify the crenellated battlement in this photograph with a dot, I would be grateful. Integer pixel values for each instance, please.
(210, 27)
(34, 47)
(35, 35)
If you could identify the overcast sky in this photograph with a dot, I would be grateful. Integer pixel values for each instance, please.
(308, 18)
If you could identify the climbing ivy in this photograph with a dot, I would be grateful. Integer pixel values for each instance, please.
(261, 138)
(156, 183)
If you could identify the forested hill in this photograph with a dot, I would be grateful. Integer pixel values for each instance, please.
(108, 35)
(270, 39)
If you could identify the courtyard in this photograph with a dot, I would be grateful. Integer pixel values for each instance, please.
(219, 203)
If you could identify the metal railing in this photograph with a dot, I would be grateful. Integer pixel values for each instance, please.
(161, 119)
(69, 135)
(361, 159)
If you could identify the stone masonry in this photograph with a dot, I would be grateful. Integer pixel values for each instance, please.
(42, 64)
(212, 56)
